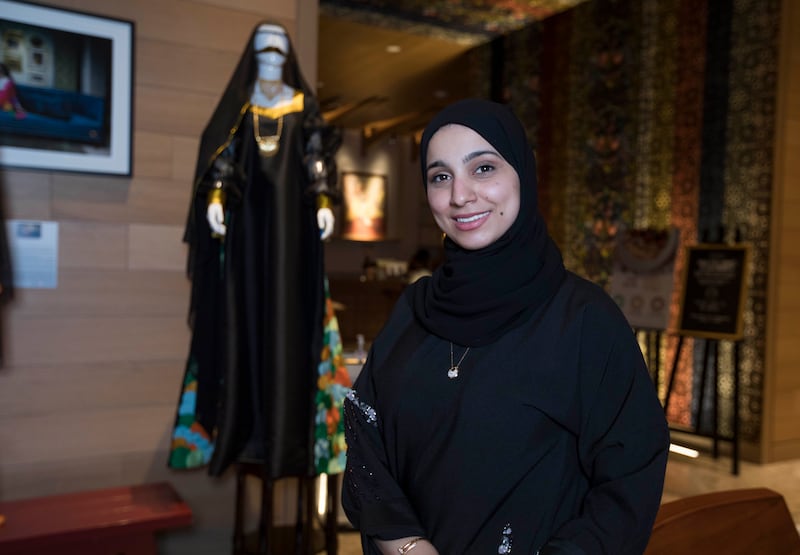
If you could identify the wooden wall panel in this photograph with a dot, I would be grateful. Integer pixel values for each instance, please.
(220, 27)
(159, 201)
(89, 197)
(26, 195)
(154, 247)
(152, 154)
(781, 422)
(188, 68)
(151, 200)
(90, 432)
(121, 293)
(276, 8)
(80, 339)
(90, 245)
(787, 405)
(160, 110)
(184, 160)
(49, 477)
(68, 388)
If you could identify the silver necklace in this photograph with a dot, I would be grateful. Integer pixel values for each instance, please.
(452, 373)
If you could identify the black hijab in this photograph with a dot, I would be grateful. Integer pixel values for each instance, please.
(476, 296)
(229, 108)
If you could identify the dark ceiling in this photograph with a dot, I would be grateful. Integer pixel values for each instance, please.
(386, 66)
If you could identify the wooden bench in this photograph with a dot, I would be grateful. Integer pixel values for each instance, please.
(744, 521)
(114, 521)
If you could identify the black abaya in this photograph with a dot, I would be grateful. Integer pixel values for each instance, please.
(551, 436)
(257, 293)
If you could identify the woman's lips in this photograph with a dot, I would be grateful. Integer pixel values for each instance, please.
(468, 222)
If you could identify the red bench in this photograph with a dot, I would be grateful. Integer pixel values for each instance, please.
(114, 521)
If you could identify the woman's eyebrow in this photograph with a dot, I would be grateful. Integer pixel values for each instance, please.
(435, 164)
(467, 158)
(473, 155)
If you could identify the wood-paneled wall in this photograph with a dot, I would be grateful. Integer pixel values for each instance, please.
(93, 368)
(781, 429)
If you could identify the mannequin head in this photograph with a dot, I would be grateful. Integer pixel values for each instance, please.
(271, 44)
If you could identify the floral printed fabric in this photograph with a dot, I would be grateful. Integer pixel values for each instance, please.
(192, 445)
(333, 385)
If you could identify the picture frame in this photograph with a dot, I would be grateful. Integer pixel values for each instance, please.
(364, 206)
(714, 291)
(71, 107)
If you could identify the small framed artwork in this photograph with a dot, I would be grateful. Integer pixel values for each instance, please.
(66, 90)
(714, 291)
(363, 206)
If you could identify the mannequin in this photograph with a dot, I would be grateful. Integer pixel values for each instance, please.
(269, 91)
(261, 207)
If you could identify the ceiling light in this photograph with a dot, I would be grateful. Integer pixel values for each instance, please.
(394, 49)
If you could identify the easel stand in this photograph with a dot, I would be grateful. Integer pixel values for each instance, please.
(294, 540)
(711, 372)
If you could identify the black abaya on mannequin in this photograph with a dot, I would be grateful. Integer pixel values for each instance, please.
(257, 293)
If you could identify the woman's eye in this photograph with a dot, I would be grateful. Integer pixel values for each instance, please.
(437, 178)
(483, 168)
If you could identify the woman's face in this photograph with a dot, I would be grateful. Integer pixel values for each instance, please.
(472, 191)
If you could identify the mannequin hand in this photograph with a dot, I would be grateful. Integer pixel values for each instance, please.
(325, 222)
(215, 214)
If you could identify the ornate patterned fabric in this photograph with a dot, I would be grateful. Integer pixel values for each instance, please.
(472, 16)
(654, 113)
(192, 445)
(333, 385)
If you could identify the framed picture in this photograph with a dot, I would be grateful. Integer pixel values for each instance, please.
(66, 95)
(363, 206)
(714, 291)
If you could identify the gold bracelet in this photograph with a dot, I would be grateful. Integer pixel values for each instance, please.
(323, 201)
(409, 545)
(216, 195)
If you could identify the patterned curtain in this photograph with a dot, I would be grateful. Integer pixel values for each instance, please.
(656, 113)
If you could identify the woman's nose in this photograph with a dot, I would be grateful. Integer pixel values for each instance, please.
(462, 192)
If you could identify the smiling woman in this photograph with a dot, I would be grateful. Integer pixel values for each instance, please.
(474, 198)
(505, 406)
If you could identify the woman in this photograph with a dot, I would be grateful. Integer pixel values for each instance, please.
(505, 407)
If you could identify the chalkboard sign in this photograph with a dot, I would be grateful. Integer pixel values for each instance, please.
(714, 291)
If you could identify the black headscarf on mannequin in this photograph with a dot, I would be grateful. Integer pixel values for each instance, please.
(478, 295)
(237, 93)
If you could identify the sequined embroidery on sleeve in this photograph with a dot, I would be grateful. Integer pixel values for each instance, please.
(505, 541)
(369, 413)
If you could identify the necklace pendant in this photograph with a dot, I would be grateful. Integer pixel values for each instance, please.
(453, 372)
(268, 146)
